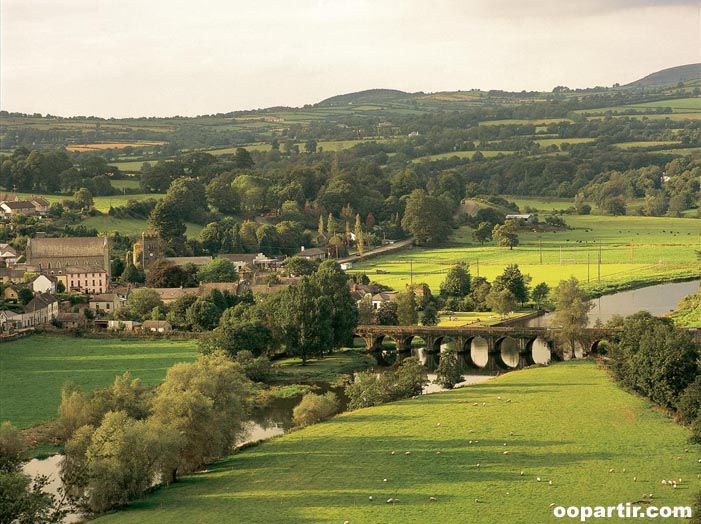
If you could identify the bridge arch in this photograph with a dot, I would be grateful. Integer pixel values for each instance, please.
(476, 352)
(507, 351)
(538, 351)
(445, 343)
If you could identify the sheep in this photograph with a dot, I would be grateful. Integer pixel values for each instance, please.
(484, 404)
(499, 398)
(551, 505)
(385, 480)
(478, 501)
(392, 501)
(477, 466)
(407, 453)
(438, 424)
(550, 482)
(432, 499)
(476, 404)
(507, 453)
(612, 470)
(392, 453)
(635, 479)
(537, 479)
(522, 473)
(438, 452)
(508, 400)
(370, 498)
(664, 482)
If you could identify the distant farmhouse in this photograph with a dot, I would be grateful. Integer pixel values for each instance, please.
(522, 219)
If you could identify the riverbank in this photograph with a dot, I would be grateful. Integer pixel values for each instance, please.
(431, 446)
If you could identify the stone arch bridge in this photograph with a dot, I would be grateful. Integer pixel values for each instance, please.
(486, 348)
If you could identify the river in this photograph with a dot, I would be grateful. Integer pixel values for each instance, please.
(659, 300)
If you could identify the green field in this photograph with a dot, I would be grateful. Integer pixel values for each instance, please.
(568, 424)
(461, 154)
(33, 369)
(634, 251)
(102, 203)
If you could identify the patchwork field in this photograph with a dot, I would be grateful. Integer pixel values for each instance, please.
(33, 369)
(481, 463)
(634, 251)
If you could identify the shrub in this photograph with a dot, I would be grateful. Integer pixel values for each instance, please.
(314, 408)
(689, 403)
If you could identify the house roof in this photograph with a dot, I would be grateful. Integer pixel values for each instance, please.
(173, 293)
(246, 258)
(181, 261)
(7, 250)
(40, 301)
(104, 297)
(221, 286)
(39, 200)
(66, 247)
(19, 204)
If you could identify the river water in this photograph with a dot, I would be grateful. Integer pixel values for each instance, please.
(658, 300)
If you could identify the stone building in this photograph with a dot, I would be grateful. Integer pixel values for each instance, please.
(53, 255)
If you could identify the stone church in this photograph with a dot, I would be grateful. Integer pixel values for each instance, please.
(49, 255)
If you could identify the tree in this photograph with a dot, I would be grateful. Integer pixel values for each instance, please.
(304, 317)
(483, 232)
(513, 280)
(222, 196)
(242, 158)
(203, 314)
(83, 198)
(300, 266)
(366, 311)
(407, 308)
(426, 218)
(186, 198)
(218, 270)
(429, 316)
(359, 240)
(132, 275)
(387, 314)
(501, 301)
(139, 305)
(448, 371)
(206, 402)
(540, 293)
(505, 234)
(571, 312)
(457, 281)
(164, 273)
(165, 220)
(25, 295)
(655, 359)
(238, 331)
(332, 282)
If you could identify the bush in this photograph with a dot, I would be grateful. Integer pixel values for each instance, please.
(314, 408)
(371, 389)
(696, 431)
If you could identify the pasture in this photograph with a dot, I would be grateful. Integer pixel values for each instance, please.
(34, 369)
(634, 251)
(568, 436)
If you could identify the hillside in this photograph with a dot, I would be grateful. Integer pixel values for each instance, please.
(670, 76)
(601, 438)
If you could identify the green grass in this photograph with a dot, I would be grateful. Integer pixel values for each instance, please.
(130, 226)
(567, 423)
(33, 369)
(102, 203)
(129, 183)
(634, 251)
(325, 369)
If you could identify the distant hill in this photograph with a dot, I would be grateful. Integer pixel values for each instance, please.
(369, 96)
(670, 76)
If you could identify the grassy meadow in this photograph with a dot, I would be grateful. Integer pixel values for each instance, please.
(599, 439)
(33, 369)
(634, 251)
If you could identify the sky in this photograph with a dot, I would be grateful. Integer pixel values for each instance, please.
(120, 58)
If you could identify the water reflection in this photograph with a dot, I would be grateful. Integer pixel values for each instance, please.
(658, 300)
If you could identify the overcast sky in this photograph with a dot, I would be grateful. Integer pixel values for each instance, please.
(186, 57)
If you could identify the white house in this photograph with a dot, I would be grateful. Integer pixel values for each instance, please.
(8, 254)
(44, 284)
